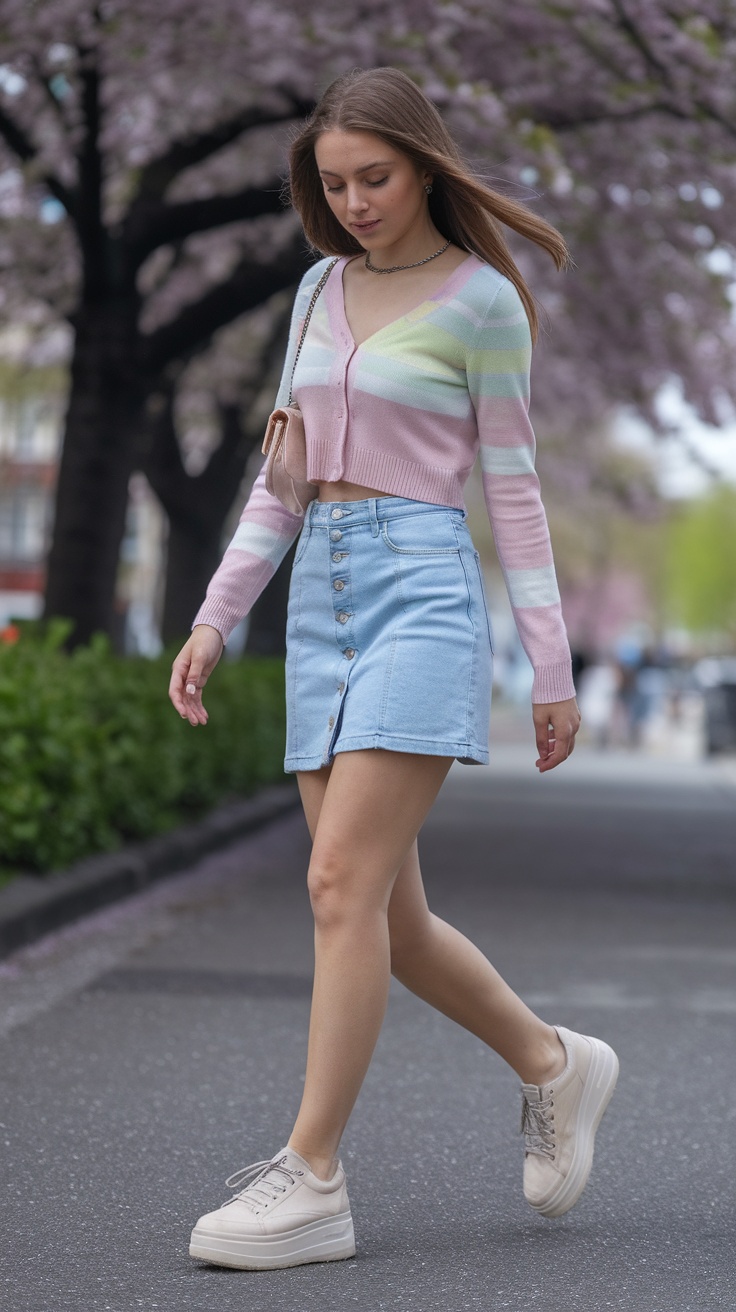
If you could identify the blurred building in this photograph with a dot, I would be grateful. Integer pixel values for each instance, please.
(30, 424)
(32, 407)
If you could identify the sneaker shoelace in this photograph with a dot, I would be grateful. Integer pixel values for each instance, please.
(537, 1125)
(265, 1182)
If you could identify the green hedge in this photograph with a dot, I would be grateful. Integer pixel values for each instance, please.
(93, 754)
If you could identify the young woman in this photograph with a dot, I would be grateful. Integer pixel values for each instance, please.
(415, 360)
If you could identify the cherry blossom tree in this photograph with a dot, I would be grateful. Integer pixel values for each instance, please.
(141, 160)
(201, 431)
(626, 113)
(108, 108)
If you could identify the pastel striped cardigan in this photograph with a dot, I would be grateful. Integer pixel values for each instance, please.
(406, 412)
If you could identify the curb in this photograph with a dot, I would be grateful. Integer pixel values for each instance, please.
(32, 906)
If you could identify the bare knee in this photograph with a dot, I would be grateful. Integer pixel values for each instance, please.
(326, 893)
(337, 893)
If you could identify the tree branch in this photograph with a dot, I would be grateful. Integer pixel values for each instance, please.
(233, 444)
(628, 26)
(239, 436)
(561, 122)
(23, 147)
(158, 173)
(637, 39)
(160, 456)
(708, 111)
(608, 56)
(161, 225)
(247, 287)
(569, 120)
(45, 83)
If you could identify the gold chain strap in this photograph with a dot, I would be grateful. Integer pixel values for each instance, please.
(308, 316)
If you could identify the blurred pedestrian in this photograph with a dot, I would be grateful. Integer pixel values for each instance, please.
(598, 690)
(413, 357)
(641, 690)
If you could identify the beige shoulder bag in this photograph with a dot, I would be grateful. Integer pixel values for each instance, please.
(285, 444)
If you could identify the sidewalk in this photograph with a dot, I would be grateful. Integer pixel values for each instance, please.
(159, 1045)
(33, 905)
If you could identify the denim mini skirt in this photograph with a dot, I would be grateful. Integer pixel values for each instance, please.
(388, 637)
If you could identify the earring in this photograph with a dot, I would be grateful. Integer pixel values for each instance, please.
(428, 188)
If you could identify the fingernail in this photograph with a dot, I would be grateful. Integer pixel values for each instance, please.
(191, 689)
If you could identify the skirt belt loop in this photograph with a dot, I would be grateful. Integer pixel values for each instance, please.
(373, 515)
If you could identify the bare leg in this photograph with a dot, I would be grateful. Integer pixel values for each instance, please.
(372, 807)
(443, 967)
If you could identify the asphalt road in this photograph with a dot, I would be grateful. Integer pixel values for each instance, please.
(154, 1048)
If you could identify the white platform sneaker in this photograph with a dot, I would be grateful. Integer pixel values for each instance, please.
(559, 1121)
(284, 1216)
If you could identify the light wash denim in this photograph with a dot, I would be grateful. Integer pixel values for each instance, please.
(388, 638)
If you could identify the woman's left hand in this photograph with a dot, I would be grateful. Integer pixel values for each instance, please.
(555, 724)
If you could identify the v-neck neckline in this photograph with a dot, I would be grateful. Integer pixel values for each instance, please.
(435, 295)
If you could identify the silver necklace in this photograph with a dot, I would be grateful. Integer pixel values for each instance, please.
(396, 267)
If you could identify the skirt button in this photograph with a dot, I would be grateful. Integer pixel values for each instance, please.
(338, 585)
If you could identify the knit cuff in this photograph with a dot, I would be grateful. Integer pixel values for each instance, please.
(220, 614)
(553, 683)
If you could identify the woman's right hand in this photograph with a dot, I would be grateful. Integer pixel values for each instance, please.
(191, 670)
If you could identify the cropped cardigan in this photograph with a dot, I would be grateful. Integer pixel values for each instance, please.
(407, 412)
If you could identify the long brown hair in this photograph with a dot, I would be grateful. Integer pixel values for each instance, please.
(386, 102)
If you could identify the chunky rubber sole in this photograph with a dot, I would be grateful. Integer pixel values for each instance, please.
(599, 1086)
(328, 1240)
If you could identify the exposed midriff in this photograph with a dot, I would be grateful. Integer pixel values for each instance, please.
(343, 491)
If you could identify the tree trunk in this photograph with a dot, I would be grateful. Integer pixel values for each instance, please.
(190, 564)
(191, 560)
(267, 629)
(196, 505)
(97, 459)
